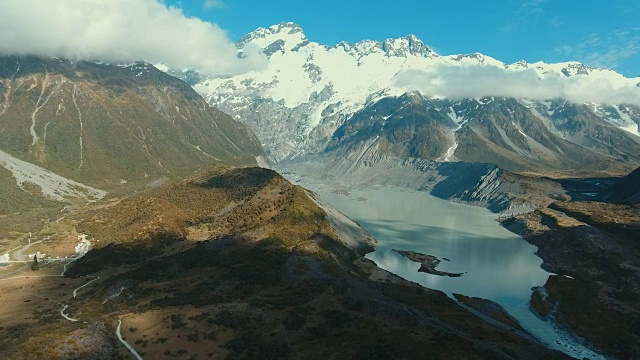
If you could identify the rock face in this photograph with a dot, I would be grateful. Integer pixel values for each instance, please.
(510, 133)
(313, 98)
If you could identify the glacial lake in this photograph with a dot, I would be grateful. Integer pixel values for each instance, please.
(497, 264)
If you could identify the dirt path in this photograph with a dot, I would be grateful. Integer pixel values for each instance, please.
(126, 344)
(18, 254)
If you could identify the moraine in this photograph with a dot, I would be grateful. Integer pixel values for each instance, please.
(497, 265)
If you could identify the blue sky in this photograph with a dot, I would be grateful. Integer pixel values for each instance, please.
(598, 33)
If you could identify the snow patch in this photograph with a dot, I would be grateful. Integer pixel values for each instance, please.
(454, 116)
(628, 124)
(449, 155)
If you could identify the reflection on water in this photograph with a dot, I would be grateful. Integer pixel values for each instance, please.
(498, 265)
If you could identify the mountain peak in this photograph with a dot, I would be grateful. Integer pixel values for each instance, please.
(289, 27)
(398, 47)
(417, 46)
(405, 46)
(284, 32)
(522, 64)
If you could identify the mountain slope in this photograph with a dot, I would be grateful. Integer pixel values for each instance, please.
(103, 124)
(313, 97)
(507, 132)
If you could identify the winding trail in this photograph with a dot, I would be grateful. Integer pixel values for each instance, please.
(18, 254)
(81, 249)
(126, 344)
(64, 268)
(65, 315)
(75, 292)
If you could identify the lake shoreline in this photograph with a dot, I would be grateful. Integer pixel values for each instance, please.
(471, 237)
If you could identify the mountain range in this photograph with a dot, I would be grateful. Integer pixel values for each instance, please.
(350, 98)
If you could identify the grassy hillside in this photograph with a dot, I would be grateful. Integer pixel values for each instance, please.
(18, 199)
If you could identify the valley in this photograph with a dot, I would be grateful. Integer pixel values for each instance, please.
(474, 245)
(366, 200)
(349, 140)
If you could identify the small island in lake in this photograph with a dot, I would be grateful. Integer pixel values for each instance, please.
(429, 263)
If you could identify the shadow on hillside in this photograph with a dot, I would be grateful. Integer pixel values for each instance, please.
(259, 299)
(240, 183)
(585, 189)
(115, 255)
(460, 178)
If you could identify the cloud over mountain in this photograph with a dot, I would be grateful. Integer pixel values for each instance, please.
(460, 82)
(119, 31)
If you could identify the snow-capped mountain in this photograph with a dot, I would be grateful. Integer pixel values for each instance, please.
(309, 92)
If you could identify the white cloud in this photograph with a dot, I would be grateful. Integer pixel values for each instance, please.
(527, 9)
(119, 31)
(212, 4)
(607, 50)
(479, 81)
